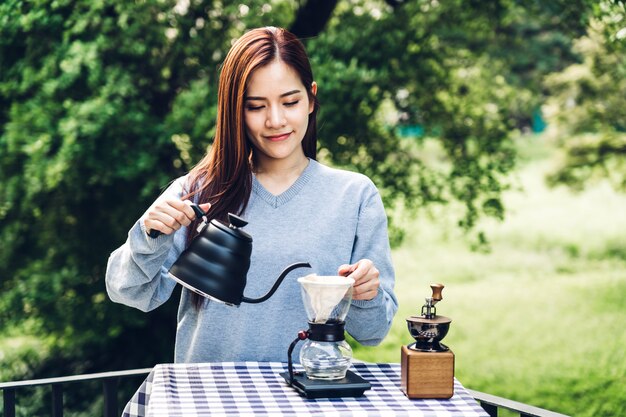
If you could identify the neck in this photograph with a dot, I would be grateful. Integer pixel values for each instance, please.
(278, 175)
(281, 167)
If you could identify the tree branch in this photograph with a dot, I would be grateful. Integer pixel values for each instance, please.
(394, 3)
(312, 17)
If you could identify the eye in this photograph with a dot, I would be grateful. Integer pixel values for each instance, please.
(254, 108)
(292, 103)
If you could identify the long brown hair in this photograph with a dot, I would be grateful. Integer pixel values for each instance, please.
(224, 176)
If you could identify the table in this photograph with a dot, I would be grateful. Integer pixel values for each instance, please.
(257, 389)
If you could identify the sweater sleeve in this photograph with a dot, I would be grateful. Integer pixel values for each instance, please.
(136, 272)
(369, 321)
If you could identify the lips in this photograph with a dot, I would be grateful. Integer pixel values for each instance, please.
(278, 138)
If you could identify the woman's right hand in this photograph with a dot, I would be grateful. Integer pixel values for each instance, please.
(167, 216)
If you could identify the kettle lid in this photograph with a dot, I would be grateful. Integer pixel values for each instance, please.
(234, 228)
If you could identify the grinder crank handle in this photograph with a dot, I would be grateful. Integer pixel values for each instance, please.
(429, 310)
(153, 233)
(437, 288)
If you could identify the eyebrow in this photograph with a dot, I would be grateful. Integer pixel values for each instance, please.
(288, 93)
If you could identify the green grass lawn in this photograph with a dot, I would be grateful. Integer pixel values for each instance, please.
(540, 319)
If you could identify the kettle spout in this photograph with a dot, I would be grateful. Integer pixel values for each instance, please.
(277, 283)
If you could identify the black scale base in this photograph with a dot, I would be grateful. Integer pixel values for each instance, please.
(350, 386)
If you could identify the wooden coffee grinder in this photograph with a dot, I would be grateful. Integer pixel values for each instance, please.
(427, 366)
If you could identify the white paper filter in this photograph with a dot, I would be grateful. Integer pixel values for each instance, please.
(325, 292)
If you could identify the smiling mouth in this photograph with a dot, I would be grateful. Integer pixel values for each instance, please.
(278, 138)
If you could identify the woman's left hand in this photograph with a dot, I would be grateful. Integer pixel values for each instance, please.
(365, 276)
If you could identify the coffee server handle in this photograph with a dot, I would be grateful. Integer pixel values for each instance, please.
(302, 335)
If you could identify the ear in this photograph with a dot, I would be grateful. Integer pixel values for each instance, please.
(314, 91)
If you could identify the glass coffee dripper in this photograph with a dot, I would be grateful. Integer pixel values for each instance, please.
(326, 354)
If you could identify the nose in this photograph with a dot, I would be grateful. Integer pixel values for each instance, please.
(275, 117)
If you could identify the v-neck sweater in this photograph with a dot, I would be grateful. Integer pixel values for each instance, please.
(284, 197)
(327, 217)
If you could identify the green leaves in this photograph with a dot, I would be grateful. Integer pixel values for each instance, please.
(102, 103)
(587, 107)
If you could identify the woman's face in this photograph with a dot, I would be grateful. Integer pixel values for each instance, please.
(276, 112)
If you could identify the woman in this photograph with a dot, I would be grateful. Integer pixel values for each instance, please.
(262, 166)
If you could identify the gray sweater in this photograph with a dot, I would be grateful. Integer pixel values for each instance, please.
(328, 217)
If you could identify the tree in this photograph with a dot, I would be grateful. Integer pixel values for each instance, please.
(103, 102)
(86, 142)
(587, 108)
(467, 73)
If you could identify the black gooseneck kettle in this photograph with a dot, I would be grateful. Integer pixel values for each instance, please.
(216, 263)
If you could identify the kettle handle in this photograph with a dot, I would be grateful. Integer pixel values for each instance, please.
(153, 233)
(277, 283)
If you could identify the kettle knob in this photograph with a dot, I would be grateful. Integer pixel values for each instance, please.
(236, 221)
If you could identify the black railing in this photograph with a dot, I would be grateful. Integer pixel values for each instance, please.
(490, 403)
(109, 380)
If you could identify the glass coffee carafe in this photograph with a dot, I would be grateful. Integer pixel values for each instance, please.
(326, 354)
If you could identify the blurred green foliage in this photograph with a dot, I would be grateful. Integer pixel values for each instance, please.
(587, 105)
(102, 103)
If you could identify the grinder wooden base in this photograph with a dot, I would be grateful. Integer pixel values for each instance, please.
(427, 374)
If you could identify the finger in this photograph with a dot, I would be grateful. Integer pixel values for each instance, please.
(152, 224)
(205, 207)
(368, 283)
(184, 207)
(362, 270)
(365, 295)
(178, 212)
(166, 220)
(169, 213)
(345, 270)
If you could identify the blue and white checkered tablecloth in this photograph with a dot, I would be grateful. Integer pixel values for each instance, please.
(257, 389)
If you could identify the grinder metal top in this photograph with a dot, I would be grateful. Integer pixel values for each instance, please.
(429, 311)
(429, 329)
